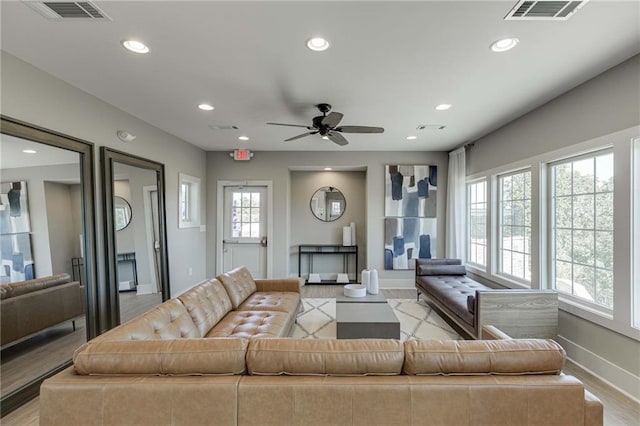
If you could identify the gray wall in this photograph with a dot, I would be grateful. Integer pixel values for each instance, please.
(307, 229)
(31, 95)
(63, 236)
(275, 166)
(601, 106)
(35, 178)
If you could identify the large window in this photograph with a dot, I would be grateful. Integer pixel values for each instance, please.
(514, 225)
(477, 223)
(582, 228)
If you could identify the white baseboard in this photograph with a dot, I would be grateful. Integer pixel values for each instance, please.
(146, 289)
(603, 369)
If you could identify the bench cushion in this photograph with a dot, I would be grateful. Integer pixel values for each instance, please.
(452, 291)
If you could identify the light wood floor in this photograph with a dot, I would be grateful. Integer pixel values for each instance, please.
(619, 409)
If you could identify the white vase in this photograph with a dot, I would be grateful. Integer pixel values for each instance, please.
(353, 233)
(364, 280)
(373, 282)
(346, 236)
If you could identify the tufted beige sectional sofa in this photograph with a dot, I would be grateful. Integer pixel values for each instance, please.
(217, 356)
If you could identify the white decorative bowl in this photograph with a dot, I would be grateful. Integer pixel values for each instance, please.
(355, 290)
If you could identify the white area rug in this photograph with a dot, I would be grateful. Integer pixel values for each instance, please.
(417, 320)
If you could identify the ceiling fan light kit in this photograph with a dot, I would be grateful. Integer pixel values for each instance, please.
(326, 125)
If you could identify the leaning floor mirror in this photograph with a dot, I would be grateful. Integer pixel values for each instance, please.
(48, 299)
(136, 242)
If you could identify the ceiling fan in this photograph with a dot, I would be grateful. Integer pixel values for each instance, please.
(325, 125)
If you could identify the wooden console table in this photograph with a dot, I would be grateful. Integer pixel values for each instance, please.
(311, 250)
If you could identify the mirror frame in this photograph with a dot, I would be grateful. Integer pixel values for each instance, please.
(107, 157)
(23, 130)
(331, 189)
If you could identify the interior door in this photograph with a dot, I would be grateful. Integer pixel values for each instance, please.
(245, 229)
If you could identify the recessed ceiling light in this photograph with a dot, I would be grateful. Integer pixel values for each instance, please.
(29, 151)
(206, 107)
(135, 46)
(443, 107)
(317, 44)
(328, 169)
(326, 138)
(410, 138)
(504, 44)
(243, 138)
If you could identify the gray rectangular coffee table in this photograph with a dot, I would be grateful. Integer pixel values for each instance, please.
(366, 320)
(369, 298)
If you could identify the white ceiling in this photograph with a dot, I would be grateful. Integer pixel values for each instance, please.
(389, 64)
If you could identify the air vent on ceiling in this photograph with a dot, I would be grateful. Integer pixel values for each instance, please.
(55, 10)
(223, 127)
(549, 10)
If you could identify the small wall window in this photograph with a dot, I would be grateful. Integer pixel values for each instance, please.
(581, 228)
(514, 225)
(189, 201)
(477, 223)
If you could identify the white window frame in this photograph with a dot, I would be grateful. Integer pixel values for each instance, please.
(192, 201)
(578, 301)
(499, 227)
(474, 265)
(635, 226)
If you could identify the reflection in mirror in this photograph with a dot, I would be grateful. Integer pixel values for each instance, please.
(328, 204)
(42, 258)
(137, 252)
(121, 213)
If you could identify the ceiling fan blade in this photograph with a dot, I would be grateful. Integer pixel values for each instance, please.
(300, 136)
(332, 119)
(338, 138)
(359, 129)
(291, 125)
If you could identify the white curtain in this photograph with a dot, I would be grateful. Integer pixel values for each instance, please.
(456, 205)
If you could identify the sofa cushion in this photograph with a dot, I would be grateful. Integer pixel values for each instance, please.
(167, 321)
(271, 301)
(239, 285)
(482, 357)
(441, 270)
(164, 357)
(358, 357)
(250, 324)
(452, 291)
(207, 303)
(29, 286)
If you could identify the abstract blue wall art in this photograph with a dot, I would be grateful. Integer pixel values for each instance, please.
(410, 191)
(407, 239)
(14, 208)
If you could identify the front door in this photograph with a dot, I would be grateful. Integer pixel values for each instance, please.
(245, 229)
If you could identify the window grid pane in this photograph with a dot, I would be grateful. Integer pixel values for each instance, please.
(582, 231)
(514, 227)
(245, 215)
(477, 223)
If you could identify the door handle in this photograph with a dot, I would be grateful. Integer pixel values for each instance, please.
(263, 241)
(230, 241)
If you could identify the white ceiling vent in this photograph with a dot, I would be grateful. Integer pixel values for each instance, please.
(548, 10)
(57, 10)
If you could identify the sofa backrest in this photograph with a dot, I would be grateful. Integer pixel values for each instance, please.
(165, 357)
(483, 357)
(239, 285)
(167, 321)
(207, 303)
(309, 357)
(440, 267)
(24, 287)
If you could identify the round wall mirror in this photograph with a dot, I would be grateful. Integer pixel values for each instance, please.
(328, 204)
(121, 213)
